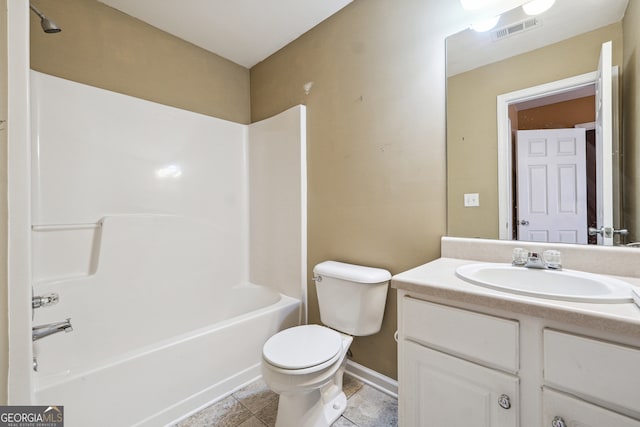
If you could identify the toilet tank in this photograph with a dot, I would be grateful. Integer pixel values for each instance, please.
(351, 297)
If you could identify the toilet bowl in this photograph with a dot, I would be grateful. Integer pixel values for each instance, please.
(307, 375)
(305, 364)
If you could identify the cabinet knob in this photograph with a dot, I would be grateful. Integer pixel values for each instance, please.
(504, 401)
(558, 422)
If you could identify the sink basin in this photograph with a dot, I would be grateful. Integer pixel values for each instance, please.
(566, 285)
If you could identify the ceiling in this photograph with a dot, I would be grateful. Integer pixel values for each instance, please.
(243, 31)
(567, 18)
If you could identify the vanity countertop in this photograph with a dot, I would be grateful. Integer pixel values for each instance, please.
(437, 279)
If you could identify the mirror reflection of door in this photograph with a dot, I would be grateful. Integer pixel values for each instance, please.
(552, 185)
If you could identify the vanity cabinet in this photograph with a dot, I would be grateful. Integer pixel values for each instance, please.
(465, 368)
(457, 367)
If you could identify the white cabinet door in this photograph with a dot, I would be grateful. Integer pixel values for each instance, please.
(561, 410)
(440, 390)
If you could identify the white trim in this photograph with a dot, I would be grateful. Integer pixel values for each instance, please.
(19, 387)
(304, 312)
(505, 203)
(587, 126)
(374, 379)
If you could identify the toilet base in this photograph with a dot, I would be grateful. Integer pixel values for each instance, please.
(309, 399)
(309, 409)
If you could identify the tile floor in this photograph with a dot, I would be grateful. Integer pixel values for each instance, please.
(256, 406)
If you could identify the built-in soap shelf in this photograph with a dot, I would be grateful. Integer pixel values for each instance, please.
(64, 227)
(65, 252)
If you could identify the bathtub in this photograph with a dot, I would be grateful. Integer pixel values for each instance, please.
(140, 387)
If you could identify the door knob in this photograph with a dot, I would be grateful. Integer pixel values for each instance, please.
(524, 222)
(607, 231)
(504, 401)
(558, 422)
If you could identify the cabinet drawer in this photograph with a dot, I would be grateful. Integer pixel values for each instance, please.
(576, 412)
(489, 340)
(608, 374)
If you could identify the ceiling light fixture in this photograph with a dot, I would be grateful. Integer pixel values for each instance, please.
(536, 7)
(475, 4)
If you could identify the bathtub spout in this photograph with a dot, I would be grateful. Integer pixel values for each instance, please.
(42, 331)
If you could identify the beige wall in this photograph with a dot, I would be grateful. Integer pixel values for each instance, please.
(631, 120)
(4, 339)
(376, 149)
(472, 159)
(103, 47)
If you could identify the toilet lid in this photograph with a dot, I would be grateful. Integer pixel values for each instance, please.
(302, 347)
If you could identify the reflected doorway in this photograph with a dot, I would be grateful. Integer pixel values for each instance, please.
(554, 167)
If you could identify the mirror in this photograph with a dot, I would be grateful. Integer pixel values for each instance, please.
(542, 71)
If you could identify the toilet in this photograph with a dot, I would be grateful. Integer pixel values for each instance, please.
(305, 364)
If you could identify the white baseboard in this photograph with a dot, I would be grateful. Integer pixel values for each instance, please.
(374, 379)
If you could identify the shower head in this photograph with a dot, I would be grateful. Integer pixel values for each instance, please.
(48, 25)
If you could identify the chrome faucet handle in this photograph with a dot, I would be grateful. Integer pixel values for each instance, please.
(519, 256)
(552, 259)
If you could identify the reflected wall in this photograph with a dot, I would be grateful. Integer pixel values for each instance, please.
(472, 159)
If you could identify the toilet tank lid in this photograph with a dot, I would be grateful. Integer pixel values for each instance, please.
(351, 272)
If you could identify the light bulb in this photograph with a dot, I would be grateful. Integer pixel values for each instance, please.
(485, 25)
(536, 7)
(475, 4)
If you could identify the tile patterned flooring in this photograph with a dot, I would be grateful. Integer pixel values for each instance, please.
(256, 406)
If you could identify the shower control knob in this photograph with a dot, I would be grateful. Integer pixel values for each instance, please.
(504, 401)
(44, 300)
(558, 422)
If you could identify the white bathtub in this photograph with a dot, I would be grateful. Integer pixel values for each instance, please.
(161, 382)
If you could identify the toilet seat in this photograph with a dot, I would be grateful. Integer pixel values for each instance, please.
(302, 347)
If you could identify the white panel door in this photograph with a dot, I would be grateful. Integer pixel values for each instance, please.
(552, 185)
(604, 146)
(441, 390)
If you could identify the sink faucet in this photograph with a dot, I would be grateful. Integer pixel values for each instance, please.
(42, 331)
(534, 260)
(549, 260)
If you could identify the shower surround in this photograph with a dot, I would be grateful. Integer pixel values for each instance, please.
(176, 242)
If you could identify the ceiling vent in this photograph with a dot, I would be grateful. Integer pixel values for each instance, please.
(517, 28)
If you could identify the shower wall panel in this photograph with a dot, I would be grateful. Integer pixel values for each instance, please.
(278, 200)
(98, 154)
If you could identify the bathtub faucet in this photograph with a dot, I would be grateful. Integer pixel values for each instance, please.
(42, 331)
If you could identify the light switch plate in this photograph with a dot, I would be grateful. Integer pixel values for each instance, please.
(471, 199)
